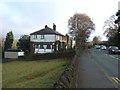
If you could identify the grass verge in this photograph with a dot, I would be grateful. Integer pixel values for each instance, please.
(32, 74)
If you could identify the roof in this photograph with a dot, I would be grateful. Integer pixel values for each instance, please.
(14, 50)
(46, 30)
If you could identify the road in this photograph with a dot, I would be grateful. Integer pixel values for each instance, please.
(107, 62)
(97, 69)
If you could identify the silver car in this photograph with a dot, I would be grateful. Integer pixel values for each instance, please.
(97, 46)
(103, 47)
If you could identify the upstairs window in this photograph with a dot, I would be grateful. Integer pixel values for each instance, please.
(57, 37)
(42, 37)
(35, 36)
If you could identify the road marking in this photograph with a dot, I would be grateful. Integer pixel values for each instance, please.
(112, 56)
(116, 80)
(106, 54)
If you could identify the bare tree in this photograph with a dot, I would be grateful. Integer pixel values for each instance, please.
(80, 26)
(110, 28)
(111, 31)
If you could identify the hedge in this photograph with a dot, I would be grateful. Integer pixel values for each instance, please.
(54, 55)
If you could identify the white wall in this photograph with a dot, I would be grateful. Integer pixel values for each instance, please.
(13, 55)
(58, 37)
(47, 38)
(43, 51)
(20, 53)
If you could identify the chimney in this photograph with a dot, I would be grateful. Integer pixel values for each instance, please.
(46, 26)
(54, 27)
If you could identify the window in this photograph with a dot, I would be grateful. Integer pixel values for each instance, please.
(33, 45)
(35, 37)
(41, 46)
(57, 37)
(48, 47)
(36, 45)
(42, 37)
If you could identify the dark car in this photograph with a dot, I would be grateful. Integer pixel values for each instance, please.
(114, 50)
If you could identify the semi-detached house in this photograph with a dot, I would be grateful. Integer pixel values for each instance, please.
(46, 40)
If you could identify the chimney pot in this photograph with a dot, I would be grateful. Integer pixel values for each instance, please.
(54, 27)
(46, 26)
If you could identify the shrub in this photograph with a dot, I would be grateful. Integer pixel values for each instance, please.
(62, 54)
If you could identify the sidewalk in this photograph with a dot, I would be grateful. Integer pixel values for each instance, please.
(89, 74)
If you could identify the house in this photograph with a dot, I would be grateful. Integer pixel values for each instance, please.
(47, 40)
(71, 43)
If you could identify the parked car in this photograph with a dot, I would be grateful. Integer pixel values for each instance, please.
(103, 47)
(110, 47)
(97, 46)
(113, 50)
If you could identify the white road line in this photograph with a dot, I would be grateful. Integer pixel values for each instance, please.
(112, 56)
(106, 54)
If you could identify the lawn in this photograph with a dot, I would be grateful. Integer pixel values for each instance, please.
(32, 74)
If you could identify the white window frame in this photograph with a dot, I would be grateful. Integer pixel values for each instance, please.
(42, 36)
(35, 36)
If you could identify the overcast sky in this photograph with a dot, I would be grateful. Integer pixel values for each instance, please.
(26, 16)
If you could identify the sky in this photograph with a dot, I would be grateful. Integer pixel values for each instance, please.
(26, 16)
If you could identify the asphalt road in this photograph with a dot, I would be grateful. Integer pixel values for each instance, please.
(97, 69)
(107, 62)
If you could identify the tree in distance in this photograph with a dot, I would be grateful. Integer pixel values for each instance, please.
(9, 40)
(111, 31)
(24, 43)
(96, 40)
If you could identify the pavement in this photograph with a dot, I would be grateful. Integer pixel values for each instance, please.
(90, 75)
